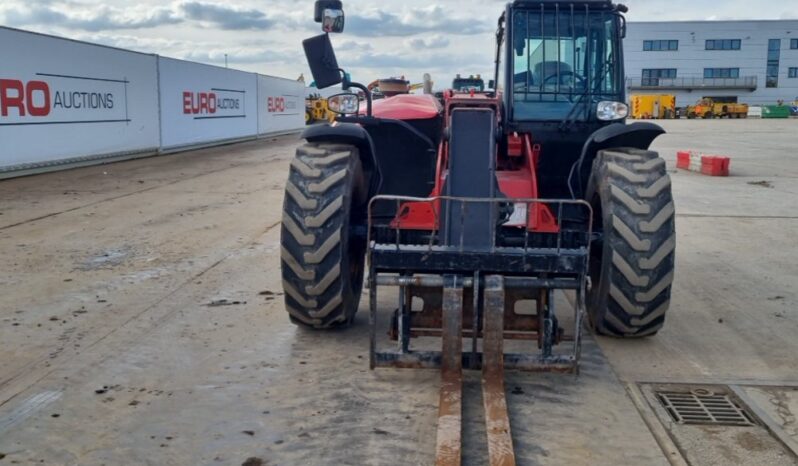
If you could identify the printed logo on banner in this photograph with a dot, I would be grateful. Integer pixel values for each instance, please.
(55, 99)
(216, 103)
(282, 105)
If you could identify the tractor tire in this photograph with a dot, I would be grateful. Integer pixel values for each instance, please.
(322, 262)
(632, 267)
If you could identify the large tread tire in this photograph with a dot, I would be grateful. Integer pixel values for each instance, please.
(632, 268)
(322, 263)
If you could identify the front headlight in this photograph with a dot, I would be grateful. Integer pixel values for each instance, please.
(609, 111)
(345, 104)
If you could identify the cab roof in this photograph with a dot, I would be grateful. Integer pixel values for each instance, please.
(579, 4)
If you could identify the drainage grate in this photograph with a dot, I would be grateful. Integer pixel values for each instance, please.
(704, 407)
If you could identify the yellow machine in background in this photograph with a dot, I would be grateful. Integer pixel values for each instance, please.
(316, 110)
(656, 106)
(707, 108)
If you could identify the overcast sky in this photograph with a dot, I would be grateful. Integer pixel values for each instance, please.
(383, 38)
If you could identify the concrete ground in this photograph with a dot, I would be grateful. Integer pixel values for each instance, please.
(142, 323)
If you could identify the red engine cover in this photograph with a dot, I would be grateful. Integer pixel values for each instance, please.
(407, 107)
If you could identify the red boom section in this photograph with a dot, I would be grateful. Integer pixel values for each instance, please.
(517, 178)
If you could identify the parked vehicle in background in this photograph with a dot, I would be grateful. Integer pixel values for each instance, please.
(316, 109)
(475, 83)
(653, 107)
(708, 108)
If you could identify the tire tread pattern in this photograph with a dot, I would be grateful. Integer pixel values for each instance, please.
(315, 222)
(639, 220)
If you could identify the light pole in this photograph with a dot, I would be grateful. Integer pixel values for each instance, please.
(225, 60)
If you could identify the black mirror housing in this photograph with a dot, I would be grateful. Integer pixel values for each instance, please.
(323, 64)
(322, 5)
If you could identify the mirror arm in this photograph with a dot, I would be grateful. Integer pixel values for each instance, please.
(347, 84)
(623, 26)
(497, 62)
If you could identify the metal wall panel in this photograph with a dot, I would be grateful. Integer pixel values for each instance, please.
(62, 100)
(201, 104)
(281, 106)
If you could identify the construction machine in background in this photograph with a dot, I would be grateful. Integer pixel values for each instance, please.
(426, 85)
(708, 108)
(389, 87)
(481, 211)
(653, 107)
(316, 110)
(471, 83)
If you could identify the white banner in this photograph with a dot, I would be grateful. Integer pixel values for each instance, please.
(62, 100)
(282, 105)
(203, 103)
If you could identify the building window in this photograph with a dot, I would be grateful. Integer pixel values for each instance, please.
(724, 44)
(794, 44)
(660, 45)
(793, 72)
(711, 73)
(774, 57)
(651, 77)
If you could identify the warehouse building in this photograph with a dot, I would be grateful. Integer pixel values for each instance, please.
(753, 62)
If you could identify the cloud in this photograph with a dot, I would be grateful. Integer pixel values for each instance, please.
(434, 42)
(407, 60)
(102, 19)
(408, 37)
(226, 17)
(239, 55)
(432, 19)
(352, 45)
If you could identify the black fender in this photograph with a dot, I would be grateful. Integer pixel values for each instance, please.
(637, 135)
(356, 135)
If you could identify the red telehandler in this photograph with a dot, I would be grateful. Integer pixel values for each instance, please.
(490, 200)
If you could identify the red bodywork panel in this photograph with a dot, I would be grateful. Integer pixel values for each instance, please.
(407, 107)
(517, 180)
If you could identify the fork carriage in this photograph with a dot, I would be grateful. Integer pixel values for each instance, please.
(450, 275)
(469, 276)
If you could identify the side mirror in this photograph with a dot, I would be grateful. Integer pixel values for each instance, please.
(323, 64)
(333, 21)
(330, 13)
(491, 84)
(344, 104)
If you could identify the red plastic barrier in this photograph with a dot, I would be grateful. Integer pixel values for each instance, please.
(715, 165)
(710, 165)
(683, 160)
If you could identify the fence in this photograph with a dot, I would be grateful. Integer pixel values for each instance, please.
(64, 102)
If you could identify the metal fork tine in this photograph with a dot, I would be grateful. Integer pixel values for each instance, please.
(500, 442)
(450, 411)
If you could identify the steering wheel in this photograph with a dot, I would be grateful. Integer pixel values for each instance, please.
(578, 80)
